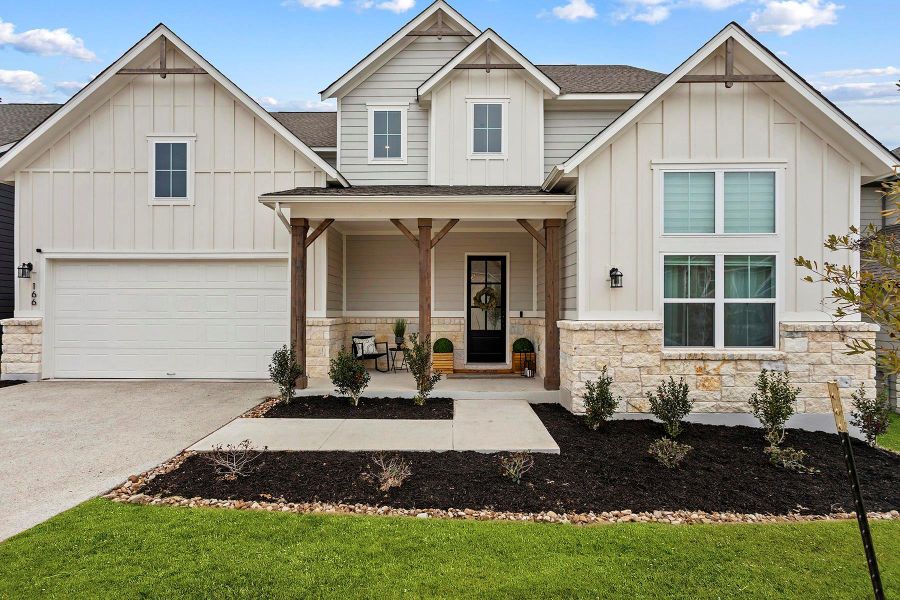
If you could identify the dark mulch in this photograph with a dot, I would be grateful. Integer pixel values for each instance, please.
(334, 407)
(596, 471)
(10, 382)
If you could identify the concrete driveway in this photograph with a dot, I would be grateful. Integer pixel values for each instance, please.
(63, 442)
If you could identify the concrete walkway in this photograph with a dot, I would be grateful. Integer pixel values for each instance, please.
(63, 442)
(478, 425)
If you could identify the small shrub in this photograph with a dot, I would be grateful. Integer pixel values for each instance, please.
(789, 458)
(515, 465)
(599, 403)
(233, 461)
(443, 346)
(872, 416)
(348, 375)
(773, 403)
(669, 452)
(392, 472)
(522, 345)
(284, 372)
(418, 359)
(670, 404)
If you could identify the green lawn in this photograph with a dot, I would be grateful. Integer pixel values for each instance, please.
(101, 549)
(891, 439)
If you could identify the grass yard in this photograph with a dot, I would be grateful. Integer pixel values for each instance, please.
(102, 549)
(891, 439)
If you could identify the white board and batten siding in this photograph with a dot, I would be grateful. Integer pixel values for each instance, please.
(396, 81)
(707, 123)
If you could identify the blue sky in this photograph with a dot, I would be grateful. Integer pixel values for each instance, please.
(284, 52)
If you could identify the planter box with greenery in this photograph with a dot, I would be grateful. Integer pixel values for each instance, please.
(442, 357)
(523, 355)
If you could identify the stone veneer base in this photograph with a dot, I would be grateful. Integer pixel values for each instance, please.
(22, 349)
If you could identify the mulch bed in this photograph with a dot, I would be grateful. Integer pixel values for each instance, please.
(10, 382)
(334, 407)
(597, 471)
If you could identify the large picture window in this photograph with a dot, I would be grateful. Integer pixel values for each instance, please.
(719, 202)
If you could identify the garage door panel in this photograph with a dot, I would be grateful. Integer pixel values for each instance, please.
(168, 319)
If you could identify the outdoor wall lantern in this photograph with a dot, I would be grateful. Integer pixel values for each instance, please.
(25, 271)
(615, 278)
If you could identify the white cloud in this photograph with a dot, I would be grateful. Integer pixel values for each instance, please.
(653, 15)
(855, 91)
(875, 72)
(24, 82)
(717, 4)
(785, 17)
(657, 11)
(397, 6)
(317, 4)
(69, 86)
(45, 42)
(575, 10)
(271, 103)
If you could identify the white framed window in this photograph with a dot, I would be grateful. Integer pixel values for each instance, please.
(171, 170)
(487, 127)
(387, 133)
(720, 300)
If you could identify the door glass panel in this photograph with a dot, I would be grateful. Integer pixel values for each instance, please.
(478, 271)
(494, 271)
(476, 319)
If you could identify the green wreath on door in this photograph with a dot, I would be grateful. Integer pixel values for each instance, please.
(488, 300)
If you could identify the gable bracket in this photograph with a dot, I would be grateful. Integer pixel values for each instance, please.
(730, 78)
(163, 70)
(487, 66)
(439, 31)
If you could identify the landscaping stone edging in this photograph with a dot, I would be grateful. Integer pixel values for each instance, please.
(129, 493)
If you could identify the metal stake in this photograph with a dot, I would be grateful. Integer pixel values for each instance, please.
(861, 518)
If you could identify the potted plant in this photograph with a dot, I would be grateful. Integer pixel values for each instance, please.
(442, 356)
(522, 354)
(399, 332)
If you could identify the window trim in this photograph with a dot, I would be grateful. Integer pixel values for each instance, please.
(152, 140)
(503, 101)
(403, 108)
(719, 300)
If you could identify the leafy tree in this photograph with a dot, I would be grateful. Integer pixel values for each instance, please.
(348, 375)
(284, 372)
(418, 358)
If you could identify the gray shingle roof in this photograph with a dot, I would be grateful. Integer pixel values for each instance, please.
(315, 129)
(418, 190)
(602, 79)
(16, 120)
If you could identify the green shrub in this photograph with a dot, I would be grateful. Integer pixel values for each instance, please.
(789, 458)
(515, 465)
(522, 345)
(284, 372)
(348, 375)
(443, 346)
(670, 404)
(418, 359)
(669, 452)
(599, 403)
(871, 416)
(400, 328)
(773, 403)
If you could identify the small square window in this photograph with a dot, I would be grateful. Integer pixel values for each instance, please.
(170, 167)
(487, 128)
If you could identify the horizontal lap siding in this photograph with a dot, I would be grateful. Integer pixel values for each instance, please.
(568, 268)
(397, 80)
(335, 290)
(566, 131)
(871, 205)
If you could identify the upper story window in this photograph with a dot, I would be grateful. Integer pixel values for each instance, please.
(170, 170)
(719, 202)
(487, 127)
(387, 133)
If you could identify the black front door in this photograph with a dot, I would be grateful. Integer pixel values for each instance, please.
(486, 329)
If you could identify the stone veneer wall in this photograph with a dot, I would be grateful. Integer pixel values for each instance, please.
(720, 381)
(533, 329)
(22, 349)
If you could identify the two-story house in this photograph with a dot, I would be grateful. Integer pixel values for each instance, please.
(613, 215)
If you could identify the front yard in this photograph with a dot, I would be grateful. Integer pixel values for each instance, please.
(103, 549)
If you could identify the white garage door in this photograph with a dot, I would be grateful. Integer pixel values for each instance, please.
(176, 319)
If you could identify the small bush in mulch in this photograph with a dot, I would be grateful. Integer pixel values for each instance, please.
(336, 407)
(597, 471)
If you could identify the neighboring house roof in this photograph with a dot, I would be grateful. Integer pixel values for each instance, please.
(17, 120)
(315, 129)
(602, 79)
(418, 190)
(67, 116)
(896, 152)
(879, 160)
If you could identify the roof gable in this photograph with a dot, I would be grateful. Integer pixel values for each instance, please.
(393, 44)
(109, 81)
(877, 159)
(490, 40)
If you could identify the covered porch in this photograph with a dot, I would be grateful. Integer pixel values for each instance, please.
(480, 266)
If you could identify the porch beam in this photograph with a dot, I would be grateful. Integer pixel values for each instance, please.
(551, 303)
(534, 232)
(425, 279)
(299, 232)
(444, 231)
(318, 231)
(409, 234)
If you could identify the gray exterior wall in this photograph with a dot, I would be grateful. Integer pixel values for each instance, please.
(382, 274)
(335, 285)
(566, 131)
(568, 264)
(397, 80)
(871, 204)
(7, 265)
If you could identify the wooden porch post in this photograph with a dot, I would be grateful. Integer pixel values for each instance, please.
(551, 302)
(425, 278)
(299, 231)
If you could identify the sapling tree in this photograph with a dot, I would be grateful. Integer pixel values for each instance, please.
(284, 372)
(773, 404)
(348, 375)
(871, 415)
(418, 358)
